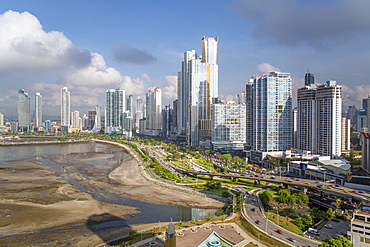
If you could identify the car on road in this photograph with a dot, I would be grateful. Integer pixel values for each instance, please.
(361, 191)
(273, 177)
(292, 239)
(258, 222)
(336, 185)
(253, 209)
(279, 231)
(345, 191)
(355, 191)
(329, 226)
(335, 220)
(289, 180)
(297, 179)
(307, 182)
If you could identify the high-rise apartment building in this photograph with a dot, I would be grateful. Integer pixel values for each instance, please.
(38, 111)
(1, 120)
(269, 112)
(115, 107)
(319, 118)
(197, 90)
(228, 125)
(96, 127)
(75, 120)
(154, 109)
(65, 109)
(24, 114)
(366, 107)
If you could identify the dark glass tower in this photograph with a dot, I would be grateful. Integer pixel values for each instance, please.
(309, 79)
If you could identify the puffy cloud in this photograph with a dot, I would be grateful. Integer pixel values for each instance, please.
(318, 24)
(266, 68)
(354, 95)
(169, 91)
(25, 46)
(95, 75)
(124, 53)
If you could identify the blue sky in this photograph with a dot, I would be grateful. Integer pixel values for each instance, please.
(92, 46)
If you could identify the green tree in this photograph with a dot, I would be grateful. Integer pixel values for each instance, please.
(194, 221)
(219, 212)
(339, 241)
(301, 197)
(180, 223)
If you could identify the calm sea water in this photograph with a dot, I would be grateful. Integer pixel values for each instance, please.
(47, 154)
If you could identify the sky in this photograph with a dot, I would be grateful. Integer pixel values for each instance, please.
(91, 46)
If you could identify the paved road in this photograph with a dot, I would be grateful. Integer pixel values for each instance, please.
(269, 227)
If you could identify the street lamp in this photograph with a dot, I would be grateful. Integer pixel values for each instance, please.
(325, 178)
(258, 234)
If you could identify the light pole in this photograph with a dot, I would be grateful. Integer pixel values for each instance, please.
(267, 220)
(258, 234)
(325, 179)
(277, 211)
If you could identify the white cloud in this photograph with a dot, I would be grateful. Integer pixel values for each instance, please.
(25, 46)
(354, 96)
(266, 68)
(169, 92)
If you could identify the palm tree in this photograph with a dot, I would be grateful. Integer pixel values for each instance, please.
(180, 223)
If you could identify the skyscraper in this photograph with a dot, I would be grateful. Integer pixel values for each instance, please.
(130, 105)
(24, 104)
(309, 79)
(65, 109)
(269, 112)
(97, 121)
(228, 125)
(1, 120)
(38, 110)
(319, 118)
(197, 90)
(154, 109)
(115, 107)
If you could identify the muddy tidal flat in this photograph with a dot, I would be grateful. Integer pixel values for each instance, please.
(52, 197)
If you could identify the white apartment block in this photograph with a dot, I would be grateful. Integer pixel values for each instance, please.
(269, 112)
(65, 108)
(154, 109)
(359, 232)
(320, 119)
(115, 107)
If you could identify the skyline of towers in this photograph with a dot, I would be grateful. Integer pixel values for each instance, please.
(65, 107)
(197, 90)
(269, 112)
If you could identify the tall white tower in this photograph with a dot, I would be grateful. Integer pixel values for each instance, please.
(38, 110)
(320, 118)
(154, 109)
(24, 104)
(197, 90)
(65, 109)
(115, 107)
(269, 112)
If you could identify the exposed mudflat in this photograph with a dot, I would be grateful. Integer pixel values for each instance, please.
(39, 208)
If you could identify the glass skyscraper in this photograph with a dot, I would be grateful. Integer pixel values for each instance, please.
(269, 112)
(38, 110)
(24, 104)
(65, 108)
(197, 90)
(115, 107)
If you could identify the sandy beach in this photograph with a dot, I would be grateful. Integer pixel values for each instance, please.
(39, 208)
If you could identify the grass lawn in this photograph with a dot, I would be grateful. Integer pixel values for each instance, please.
(283, 222)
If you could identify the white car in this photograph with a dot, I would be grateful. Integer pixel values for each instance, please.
(329, 226)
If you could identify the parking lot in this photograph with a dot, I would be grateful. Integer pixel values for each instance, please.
(338, 228)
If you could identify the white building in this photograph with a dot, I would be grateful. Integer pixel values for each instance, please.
(154, 109)
(269, 112)
(228, 125)
(115, 107)
(320, 118)
(197, 90)
(24, 104)
(1, 120)
(65, 114)
(38, 111)
(359, 232)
